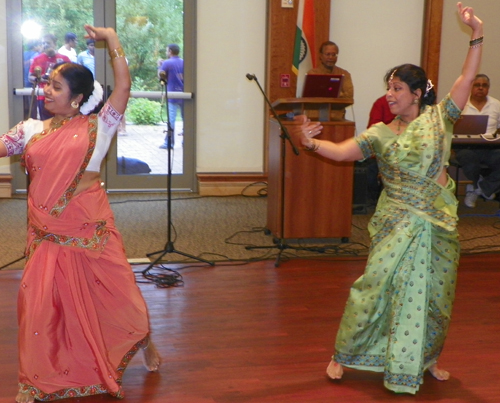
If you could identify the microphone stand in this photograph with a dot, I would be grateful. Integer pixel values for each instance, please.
(285, 136)
(169, 246)
(284, 131)
(32, 98)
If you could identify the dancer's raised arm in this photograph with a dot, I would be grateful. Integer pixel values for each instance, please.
(460, 91)
(121, 91)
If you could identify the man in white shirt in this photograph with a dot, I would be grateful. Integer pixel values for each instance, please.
(473, 160)
(86, 58)
(68, 49)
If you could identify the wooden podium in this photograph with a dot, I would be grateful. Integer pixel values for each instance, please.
(309, 196)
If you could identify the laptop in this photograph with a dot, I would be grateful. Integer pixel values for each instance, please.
(322, 85)
(470, 126)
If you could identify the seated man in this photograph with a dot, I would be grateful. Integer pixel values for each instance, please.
(473, 160)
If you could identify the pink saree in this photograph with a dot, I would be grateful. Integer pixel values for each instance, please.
(81, 315)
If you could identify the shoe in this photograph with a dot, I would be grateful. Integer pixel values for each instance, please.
(470, 196)
(480, 191)
(164, 146)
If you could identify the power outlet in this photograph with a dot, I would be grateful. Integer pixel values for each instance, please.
(287, 3)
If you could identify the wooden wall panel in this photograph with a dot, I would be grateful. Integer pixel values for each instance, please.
(431, 41)
(281, 36)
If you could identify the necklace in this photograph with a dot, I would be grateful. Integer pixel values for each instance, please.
(400, 119)
(54, 125)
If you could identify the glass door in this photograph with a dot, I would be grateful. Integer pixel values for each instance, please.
(138, 159)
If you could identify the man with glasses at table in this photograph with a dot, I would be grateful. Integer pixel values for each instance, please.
(481, 165)
(328, 55)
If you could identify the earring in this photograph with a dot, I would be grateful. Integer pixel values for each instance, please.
(75, 105)
(415, 101)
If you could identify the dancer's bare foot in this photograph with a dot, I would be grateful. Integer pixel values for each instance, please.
(439, 374)
(24, 398)
(151, 358)
(334, 370)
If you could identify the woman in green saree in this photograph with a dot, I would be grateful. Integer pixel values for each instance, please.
(398, 313)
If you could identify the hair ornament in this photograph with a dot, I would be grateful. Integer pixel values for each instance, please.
(429, 87)
(93, 100)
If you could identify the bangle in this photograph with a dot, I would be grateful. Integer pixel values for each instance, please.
(474, 43)
(116, 53)
(314, 146)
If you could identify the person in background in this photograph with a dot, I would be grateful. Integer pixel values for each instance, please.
(41, 67)
(32, 49)
(172, 70)
(68, 49)
(380, 112)
(473, 160)
(398, 313)
(81, 315)
(87, 58)
(328, 55)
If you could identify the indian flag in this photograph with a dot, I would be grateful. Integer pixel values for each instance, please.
(304, 56)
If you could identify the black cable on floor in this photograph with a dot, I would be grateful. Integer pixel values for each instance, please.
(164, 280)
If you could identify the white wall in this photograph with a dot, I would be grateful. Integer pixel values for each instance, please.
(373, 37)
(455, 44)
(231, 42)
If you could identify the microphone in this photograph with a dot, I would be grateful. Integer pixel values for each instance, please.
(163, 77)
(37, 73)
(251, 76)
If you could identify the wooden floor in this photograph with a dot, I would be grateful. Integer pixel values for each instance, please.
(258, 334)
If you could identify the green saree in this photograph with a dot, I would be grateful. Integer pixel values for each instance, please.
(398, 313)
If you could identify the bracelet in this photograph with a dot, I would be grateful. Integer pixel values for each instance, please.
(314, 147)
(116, 53)
(474, 43)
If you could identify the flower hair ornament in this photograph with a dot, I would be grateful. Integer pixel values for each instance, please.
(429, 87)
(93, 100)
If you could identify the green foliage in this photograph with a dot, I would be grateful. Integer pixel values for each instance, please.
(58, 18)
(142, 111)
(145, 28)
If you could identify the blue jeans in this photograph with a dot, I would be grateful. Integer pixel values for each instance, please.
(173, 106)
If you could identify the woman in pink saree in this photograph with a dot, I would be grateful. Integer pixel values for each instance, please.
(81, 315)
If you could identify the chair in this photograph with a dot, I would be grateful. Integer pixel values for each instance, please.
(484, 170)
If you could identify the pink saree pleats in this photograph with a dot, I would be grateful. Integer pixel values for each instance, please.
(81, 315)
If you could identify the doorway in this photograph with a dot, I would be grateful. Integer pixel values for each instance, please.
(145, 29)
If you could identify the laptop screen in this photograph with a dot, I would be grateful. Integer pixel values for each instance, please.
(322, 85)
(471, 124)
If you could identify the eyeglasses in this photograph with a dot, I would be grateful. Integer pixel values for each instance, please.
(479, 85)
(331, 54)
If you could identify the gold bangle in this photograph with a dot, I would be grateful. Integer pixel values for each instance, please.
(116, 53)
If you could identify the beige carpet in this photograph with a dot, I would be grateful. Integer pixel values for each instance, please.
(219, 229)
